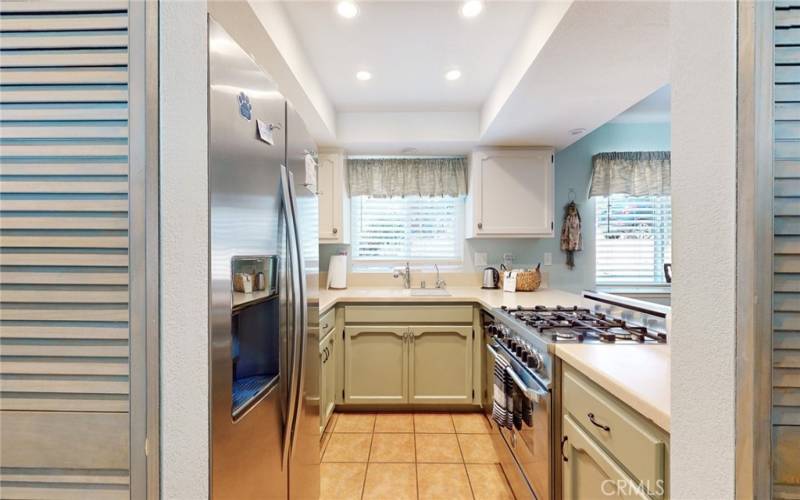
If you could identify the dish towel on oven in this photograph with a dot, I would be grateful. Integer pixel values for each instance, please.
(503, 395)
(518, 409)
(527, 412)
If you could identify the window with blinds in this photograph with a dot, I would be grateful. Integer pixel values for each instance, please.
(633, 239)
(388, 231)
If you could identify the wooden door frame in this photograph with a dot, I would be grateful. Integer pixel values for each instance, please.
(144, 249)
(754, 228)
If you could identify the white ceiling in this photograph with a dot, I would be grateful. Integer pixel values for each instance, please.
(654, 108)
(531, 70)
(408, 47)
(603, 57)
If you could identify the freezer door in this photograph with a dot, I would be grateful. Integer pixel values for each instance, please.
(244, 212)
(305, 454)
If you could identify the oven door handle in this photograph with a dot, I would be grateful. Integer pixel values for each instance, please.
(528, 392)
(532, 394)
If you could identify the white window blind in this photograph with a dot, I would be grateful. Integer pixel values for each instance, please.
(634, 239)
(392, 230)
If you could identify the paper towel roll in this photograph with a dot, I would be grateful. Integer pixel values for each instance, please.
(337, 271)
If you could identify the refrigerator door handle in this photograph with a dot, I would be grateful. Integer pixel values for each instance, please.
(295, 348)
(302, 326)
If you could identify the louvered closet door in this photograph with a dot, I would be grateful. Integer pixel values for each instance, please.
(786, 318)
(64, 221)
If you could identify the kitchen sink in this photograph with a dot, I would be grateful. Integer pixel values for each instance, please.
(429, 292)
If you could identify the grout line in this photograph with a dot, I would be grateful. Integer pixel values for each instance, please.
(464, 463)
(505, 478)
(366, 469)
(416, 462)
(469, 481)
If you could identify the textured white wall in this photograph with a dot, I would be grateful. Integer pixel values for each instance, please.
(184, 251)
(703, 77)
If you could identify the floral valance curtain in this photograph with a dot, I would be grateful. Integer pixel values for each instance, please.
(398, 177)
(637, 173)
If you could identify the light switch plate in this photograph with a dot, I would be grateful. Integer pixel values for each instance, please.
(548, 259)
(480, 258)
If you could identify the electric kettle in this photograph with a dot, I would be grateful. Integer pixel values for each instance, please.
(491, 277)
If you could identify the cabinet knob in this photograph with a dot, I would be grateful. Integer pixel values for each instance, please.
(335, 231)
(480, 225)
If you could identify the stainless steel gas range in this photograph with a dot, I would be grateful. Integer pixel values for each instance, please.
(526, 339)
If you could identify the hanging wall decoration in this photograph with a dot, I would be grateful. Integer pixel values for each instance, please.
(571, 232)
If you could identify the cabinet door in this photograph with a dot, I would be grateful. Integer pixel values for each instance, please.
(327, 386)
(440, 364)
(323, 380)
(589, 473)
(515, 193)
(375, 365)
(330, 376)
(332, 199)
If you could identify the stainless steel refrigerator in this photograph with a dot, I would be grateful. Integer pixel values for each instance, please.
(263, 300)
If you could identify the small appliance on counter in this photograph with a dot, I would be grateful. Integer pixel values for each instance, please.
(491, 277)
(337, 271)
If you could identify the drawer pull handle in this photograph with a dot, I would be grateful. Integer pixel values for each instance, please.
(325, 326)
(597, 424)
(563, 442)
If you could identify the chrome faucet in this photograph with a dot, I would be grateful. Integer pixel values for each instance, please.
(406, 274)
(439, 282)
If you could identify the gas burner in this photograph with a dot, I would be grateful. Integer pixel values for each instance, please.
(562, 335)
(579, 324)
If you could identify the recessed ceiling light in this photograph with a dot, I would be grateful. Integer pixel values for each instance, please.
(577, 131)
(471, 8)
(347, 9)
(364, 75)
(453, 74)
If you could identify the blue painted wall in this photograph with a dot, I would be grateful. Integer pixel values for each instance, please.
(573, 171)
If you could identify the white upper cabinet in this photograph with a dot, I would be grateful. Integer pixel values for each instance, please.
(511, 193)
(334, 204)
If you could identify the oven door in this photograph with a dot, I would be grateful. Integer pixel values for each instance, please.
(530, 447)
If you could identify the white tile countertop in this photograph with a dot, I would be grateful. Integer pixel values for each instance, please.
(487, 298)
(639, 375)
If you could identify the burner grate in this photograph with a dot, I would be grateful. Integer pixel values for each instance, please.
(575, 323)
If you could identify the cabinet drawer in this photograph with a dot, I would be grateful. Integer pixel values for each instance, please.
(408, 314)
(635, 443)
(326, 322)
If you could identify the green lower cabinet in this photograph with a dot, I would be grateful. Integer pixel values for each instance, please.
(609, 437)
(440, 364)
(327, 388)
(590, 473)
(408, 364)
(375, 365)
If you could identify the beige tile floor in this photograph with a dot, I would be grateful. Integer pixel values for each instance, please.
(427, 456)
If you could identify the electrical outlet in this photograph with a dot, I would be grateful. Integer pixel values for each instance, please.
(548, 259)
(481, 258)
(508, 259)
